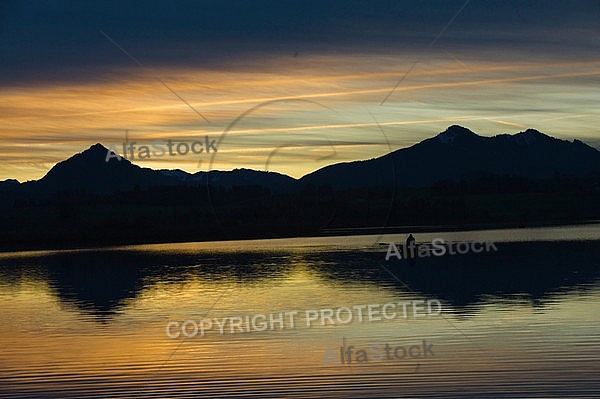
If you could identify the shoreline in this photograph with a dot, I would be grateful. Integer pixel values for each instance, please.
(339, 232)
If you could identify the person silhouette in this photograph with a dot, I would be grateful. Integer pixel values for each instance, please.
(410, 248)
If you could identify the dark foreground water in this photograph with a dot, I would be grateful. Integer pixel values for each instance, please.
(523, 321)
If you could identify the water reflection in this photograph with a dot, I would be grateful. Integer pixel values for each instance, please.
(92, 323)
(102, 283)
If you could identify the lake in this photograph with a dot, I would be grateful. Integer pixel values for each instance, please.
(522, 321)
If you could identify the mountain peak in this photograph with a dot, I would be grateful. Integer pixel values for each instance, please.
(96, 150)
(530, 136)
(89, 170)
(453, 132)
(97, 146)
(95, 154)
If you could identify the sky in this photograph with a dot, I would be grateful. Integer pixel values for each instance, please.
(288, 86)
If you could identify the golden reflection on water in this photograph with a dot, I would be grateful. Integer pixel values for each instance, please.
(53, 344)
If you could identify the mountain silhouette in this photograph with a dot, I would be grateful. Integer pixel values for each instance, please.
(459, 153)
(89, 172)
(456, 178)
(455, 154)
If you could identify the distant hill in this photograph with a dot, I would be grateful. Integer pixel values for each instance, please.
(452, 155)
(89, 172)
(454, 179)
(458, 153)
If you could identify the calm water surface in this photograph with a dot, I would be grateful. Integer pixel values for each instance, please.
(519, 322)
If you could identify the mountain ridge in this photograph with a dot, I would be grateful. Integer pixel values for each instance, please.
(453, 154)
(458, 153)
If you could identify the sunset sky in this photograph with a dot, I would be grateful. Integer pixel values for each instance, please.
(311, 77)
